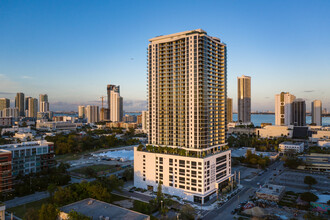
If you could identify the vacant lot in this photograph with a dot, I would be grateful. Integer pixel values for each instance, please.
(95, 168)
(19, 211)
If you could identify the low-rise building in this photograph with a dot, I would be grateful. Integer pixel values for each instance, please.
(319, 132)
(30, 157)
(297, 147)
(6, 121)
(271, 192)
(96, 209)
(6, 182)
(56, 126)
(323, 143)
(274, 131)
(316, 162)
(195, 179)
(121, 125)
(15, 129)
(241, 130)
(23, 136)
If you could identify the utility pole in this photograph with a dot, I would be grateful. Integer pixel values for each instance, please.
(239, 177)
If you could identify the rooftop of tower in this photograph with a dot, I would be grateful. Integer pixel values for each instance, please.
(180, 35)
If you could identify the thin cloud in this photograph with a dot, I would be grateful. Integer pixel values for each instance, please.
(307, 91)
(26, 77)
(7, 93)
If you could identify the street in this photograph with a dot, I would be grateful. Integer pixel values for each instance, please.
(249, 188)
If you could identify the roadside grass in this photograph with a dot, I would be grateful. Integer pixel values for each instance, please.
(96, 168)
(115, 197)
(19, 211)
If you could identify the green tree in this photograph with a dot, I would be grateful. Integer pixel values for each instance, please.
(160, 196)
(187, 212)
(308, 197)
(115, 183)
(73, 215)
(128, 174)
(141, 207)
(31, 214)
(48, 212)
(309, 180)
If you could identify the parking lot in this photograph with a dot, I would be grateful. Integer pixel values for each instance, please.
(295, 179)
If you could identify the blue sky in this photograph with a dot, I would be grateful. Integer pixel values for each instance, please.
(72, 49)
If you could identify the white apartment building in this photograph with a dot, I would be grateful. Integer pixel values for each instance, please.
(81, 111)
(317, 112)
(10, 112)
(270, 131)
(92, 114)
(43, 103)
(283, 108)
(145, 121)
(187, 95)
(115, 103)
(289, 146)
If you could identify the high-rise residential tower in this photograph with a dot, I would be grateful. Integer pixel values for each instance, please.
(187, 151)
(19, 103)
(115, 103)
(81, 111)
(244, 98)
(4, 103)
(92, 113)
(145, 121)
(229, 110)
(317, 112)
(43, 103)
(283, 108)
(299, 112)
(32, 109)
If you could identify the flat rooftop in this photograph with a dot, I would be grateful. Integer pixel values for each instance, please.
(271, 189)
(95, 208)
(291, 143)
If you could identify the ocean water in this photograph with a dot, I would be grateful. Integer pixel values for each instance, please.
(258, 119)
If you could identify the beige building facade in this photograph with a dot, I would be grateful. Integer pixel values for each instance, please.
(283, 109)
(244, 98)
(186, 113)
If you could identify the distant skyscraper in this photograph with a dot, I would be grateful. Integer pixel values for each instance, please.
(81, 111)
(32, 107)
(43, 103)
(283, 108)
(244, 98)
(145, 121)
(229, 110)
(10, 112)
(115, 103)
(187, 91)
(19, 103)
(299, 112)
(317, 112)
(92, 114)
(4, 103)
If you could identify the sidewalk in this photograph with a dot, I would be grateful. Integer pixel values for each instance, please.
(26, 199)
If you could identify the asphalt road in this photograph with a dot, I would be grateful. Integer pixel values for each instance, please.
(249, 188)
(26, 199)
(134, 195)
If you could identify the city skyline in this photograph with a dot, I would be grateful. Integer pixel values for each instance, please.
(87, 48)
